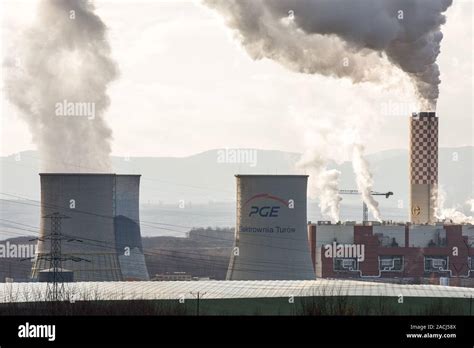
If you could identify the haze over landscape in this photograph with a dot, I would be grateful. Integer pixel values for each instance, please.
(205, 187)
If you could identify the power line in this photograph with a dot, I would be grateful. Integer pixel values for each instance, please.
(55, 287)
(278, 266)
(152, 226)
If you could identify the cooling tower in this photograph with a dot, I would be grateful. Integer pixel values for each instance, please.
(271, 242)
(423, 166)
(102, 229)
(128, 240)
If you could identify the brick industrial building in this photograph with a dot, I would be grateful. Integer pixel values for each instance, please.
(404, 253)
(420, 251)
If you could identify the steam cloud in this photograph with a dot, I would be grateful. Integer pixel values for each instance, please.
(57, 77)
(343, 38)
(470, 202)
(364, 180)
(442, 213)
(359, 39)
(323, 182)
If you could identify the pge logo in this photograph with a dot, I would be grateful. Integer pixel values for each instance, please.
(264, 211)
(267, 210)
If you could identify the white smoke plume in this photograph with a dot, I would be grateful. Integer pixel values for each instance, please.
(320, 137)
(57, 76)
(340, 38)
(451, 214)
(323, 183)
(470, 202)
(364, 180)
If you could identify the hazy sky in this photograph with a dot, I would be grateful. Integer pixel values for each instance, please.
(187, 86)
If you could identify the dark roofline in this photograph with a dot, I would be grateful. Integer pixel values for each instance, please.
(424, 114)
(81, 174)
(272, 175)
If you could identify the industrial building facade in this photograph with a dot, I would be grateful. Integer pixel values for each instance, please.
(420, 251)
(396, 252)
(101, 238)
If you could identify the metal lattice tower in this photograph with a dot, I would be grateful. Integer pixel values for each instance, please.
(55, 287)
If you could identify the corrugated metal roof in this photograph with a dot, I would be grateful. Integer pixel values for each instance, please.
(213, 289)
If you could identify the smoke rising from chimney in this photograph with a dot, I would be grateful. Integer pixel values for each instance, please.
(364, 180)
(358, 39)
(57, 76)
(452, 214)
(323, 183)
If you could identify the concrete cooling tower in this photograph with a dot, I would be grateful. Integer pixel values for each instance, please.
(271, 242)
(423, 166)
(103, 226)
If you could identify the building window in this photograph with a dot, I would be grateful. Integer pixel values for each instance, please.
(390, 263)
(436, 263)
(346, 264)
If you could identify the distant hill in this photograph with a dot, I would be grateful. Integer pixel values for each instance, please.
(204, 177)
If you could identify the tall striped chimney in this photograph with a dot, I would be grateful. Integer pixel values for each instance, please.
(423, 166)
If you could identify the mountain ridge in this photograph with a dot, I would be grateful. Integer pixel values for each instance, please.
(202, 178)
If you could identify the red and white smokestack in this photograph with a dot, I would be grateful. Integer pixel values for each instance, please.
(423, 166)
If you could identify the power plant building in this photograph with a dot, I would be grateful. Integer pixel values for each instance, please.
(101, 238)
(403, 253)
(421, 251)
(270, 237)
